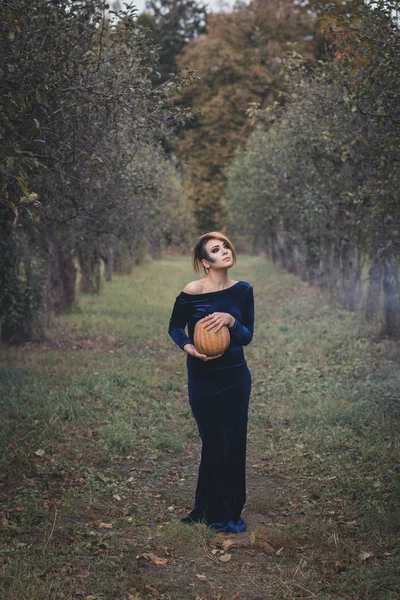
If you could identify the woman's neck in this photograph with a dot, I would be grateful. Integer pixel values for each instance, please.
(218, 280)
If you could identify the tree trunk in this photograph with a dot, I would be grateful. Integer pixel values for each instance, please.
(60, 292)
(281, 245)
(291, 257)
(374, 287)
(335, 267)
(8, 274)
(267, 241)
(108, 263)
(123, 261)
(350, 268)
(328, 271)
(155, 249)
(96, 270)
(21, 286)
(89, 262)
(312, 263)
(391, 294)
(270, 246)
(276, 246)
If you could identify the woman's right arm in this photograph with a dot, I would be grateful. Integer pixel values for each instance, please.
(178, 321)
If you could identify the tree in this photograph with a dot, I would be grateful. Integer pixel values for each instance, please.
(239, 63)
(80, 117)
(320, 178)
(172, 24)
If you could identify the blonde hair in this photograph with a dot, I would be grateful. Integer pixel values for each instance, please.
(198, 253)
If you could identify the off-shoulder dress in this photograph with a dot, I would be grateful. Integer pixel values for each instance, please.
(219, 392)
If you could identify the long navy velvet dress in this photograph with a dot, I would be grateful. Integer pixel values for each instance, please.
(219, 392)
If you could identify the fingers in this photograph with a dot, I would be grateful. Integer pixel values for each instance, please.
(208, 323)
(212, 326)
(216, 321)
(211, 322)
(191, 349)
(204, 357)
(210, 316)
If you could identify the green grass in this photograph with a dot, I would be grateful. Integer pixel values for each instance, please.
(99, 453)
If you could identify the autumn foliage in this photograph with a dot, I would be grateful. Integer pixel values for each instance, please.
(239, 63)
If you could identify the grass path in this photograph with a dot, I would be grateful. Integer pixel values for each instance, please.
(99, 454)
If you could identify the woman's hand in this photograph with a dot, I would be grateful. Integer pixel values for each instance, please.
(190, 349)
(217, 320)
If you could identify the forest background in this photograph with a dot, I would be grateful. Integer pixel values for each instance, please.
(126, 134)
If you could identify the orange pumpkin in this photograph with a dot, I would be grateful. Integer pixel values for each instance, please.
(211, 343)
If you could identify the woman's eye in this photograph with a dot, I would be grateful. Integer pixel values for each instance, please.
(214, 250)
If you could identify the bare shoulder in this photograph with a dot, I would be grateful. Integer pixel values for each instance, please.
(194, 287)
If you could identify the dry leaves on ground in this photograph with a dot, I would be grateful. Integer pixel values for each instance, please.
(156, 560)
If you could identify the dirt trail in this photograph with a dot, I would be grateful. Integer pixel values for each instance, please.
(100, 454)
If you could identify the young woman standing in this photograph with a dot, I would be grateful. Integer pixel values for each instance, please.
(219, 387)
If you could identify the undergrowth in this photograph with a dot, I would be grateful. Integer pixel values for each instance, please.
(99, 453)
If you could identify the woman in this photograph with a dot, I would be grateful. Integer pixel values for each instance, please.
(219, 387)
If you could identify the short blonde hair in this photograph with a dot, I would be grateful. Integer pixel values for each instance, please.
(198, 253)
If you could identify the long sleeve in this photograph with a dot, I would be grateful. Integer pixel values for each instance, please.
(242, 331)
(178, 323)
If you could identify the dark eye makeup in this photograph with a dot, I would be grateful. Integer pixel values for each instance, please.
(216, 249)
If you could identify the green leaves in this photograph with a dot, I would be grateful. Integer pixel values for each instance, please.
(80, 130)
(318, 185)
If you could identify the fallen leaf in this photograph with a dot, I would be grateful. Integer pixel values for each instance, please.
(84, 573)
(350, 525)
(241, 566)
(227, 544)
(40, 452)
(154, 559)
(365, 555)
(266, 547)
(225, 557)
(117, 497)
(340, 567)
(159, 561)
(4, 522)
(18, 509)
(152, 591)
(279, 552)
(201, 577)
(106, 525)
(235, 596)
(387, 554)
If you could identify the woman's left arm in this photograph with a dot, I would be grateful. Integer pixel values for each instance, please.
(241, 331)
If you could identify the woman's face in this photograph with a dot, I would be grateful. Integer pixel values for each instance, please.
(218, 254)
